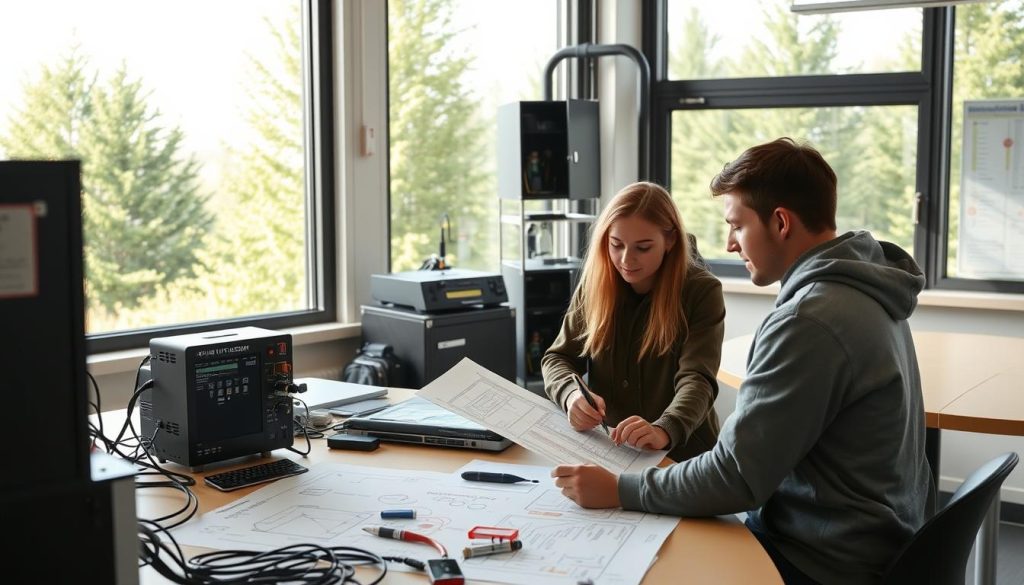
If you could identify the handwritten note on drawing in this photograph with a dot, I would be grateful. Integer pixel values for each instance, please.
(535, 423)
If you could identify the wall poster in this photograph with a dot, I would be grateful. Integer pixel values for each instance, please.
(991, 234)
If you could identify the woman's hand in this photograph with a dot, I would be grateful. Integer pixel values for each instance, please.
(582, 416)
(641, 434)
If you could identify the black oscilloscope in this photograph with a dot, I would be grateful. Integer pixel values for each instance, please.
(219, 395)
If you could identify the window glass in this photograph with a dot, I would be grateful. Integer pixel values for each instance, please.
(188, 119)
(873, 151)
(451, 64)
(986, 204)
(709, 40)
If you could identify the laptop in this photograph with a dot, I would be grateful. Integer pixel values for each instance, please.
(322, 393)
(418, 420)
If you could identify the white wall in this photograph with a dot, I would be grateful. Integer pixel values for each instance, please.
(961, 452)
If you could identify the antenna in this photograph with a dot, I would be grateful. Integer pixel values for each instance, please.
(445, 223)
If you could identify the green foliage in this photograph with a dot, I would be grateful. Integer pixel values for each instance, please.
(436, 137)
(698, 144)
(988, 49)
(143, 210)
(789, 50)
(56, 107)
(257, 255)
(874, 163)
(690, 57)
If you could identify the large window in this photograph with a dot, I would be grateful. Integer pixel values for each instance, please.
(194, 122)
(451, 63)
(873, 151)
(880, 93)
(707, 40)
(986, 228)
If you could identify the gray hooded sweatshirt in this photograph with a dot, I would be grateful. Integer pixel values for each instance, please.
(826, 445)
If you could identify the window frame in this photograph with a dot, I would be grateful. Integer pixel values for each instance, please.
(930, 89)
(321, 224)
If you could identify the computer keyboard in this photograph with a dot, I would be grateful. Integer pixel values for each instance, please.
(247, 476)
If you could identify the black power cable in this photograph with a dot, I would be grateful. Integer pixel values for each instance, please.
(299, 563)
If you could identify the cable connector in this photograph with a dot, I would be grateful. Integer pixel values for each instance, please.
(418, 565)
(284, 388)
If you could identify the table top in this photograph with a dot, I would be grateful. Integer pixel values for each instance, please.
(705, 550)
(970, 382)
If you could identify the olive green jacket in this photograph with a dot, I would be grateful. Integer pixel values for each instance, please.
(675, 391)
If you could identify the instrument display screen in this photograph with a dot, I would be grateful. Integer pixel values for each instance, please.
(463, 294)
(228, 401)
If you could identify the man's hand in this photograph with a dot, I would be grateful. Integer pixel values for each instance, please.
(582, 416)
(588, 485)
(641, 434)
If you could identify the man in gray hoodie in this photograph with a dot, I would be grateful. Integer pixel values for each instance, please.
(826, 445)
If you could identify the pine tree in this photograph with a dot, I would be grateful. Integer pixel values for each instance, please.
(879, 192)
(260, 238)
(436, 137)
(703, 141)
(697, 145)
(49, 124)
(143, 211)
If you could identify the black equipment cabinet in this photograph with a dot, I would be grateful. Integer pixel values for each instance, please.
(548, 187)
(543, 295)
(429, 344)
(72, 510)
(549, 150)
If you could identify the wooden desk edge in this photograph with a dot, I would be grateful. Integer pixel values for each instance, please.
(729, 379)
(733, 555)
(976, 424)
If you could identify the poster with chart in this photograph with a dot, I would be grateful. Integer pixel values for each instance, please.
(992, 190)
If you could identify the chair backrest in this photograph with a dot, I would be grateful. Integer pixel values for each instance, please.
(938, 553)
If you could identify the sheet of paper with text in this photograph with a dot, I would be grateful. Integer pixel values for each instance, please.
(488, 399)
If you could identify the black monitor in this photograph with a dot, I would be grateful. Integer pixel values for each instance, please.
(43, 380)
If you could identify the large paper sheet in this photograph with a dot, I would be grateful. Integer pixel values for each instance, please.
(535, 423)
(329, 505)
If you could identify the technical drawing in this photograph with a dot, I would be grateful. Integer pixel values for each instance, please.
(535, 423)
(310, 522)
(333, 502)
(563, 547)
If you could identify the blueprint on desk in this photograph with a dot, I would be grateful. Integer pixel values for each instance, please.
(487, 399)
(329, 505)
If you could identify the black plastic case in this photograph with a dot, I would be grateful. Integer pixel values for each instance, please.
(352, 442)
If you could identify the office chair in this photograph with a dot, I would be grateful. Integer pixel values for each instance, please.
(938, 552)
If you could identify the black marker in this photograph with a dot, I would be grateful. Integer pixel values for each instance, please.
(494, 477)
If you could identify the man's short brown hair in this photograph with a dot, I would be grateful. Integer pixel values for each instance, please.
(783, 173)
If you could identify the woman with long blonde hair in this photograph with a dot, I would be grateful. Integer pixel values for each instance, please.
(646, 324)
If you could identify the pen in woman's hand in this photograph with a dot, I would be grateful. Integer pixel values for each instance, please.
(590, 399)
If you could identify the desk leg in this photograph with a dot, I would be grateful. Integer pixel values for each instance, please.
(932, 450)
(986, 545)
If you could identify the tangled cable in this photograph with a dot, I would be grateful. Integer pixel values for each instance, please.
(298, 563)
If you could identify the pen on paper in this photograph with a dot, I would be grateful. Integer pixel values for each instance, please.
(494, 477)
(479, 550)
(589, 398)
(407, 536)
